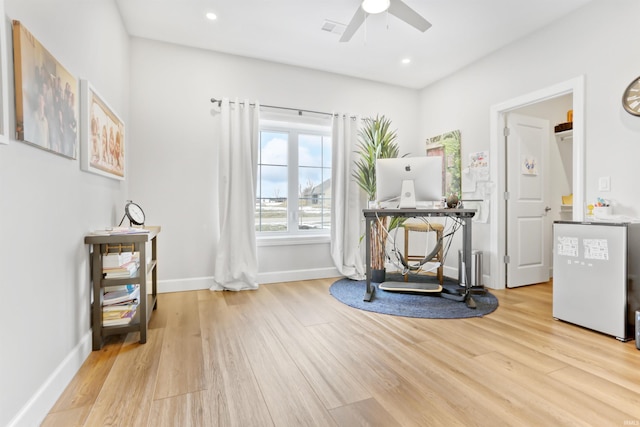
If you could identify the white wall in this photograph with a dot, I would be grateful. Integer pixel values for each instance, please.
(175, 137)
(595, 41)
(47, 205)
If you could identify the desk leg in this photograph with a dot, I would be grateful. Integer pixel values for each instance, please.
(369, 291)
(466, 251)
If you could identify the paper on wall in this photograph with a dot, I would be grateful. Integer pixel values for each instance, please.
(468, 181)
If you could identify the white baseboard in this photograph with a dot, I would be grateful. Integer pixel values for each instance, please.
(294, 275)
(180, 285)
(199, 283)
(37, 408)
(453, 273)
(486, 281)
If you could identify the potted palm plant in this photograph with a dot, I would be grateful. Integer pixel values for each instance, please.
(375, 141)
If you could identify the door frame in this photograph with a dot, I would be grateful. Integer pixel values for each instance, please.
(497, 167)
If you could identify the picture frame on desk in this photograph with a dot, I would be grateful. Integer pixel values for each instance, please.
(45, 94)
(4, 79)
(102, 135)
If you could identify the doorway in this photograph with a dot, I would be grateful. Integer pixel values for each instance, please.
(527, 199)
(498, 215)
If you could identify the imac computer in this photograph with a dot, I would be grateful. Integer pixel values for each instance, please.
(409, 182)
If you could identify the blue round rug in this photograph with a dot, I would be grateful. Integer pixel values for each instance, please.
(429, 306)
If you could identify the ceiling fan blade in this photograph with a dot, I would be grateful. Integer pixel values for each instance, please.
(356, 22)
(400, 10)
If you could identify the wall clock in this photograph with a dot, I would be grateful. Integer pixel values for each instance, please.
(134, 212)
(631, 98)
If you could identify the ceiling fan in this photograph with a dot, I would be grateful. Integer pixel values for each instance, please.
(397, 8)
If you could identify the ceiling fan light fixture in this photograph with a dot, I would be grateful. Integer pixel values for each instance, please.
(375, 6)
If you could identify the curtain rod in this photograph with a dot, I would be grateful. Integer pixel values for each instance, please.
(299, 110)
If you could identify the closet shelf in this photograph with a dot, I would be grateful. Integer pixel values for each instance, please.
(565, 136)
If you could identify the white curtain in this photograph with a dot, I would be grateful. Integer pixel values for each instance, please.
(236, 262)
(346, 199)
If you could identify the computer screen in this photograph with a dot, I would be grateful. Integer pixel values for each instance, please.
(409, 182)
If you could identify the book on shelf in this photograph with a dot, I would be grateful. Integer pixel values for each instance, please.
(114, 260)
(130, 287)
(117, 318)
(128, 269)
(121, 306)
(120, 274)
(116, 231)
(119, 313)
(130, 294)
(125, 305)
(120, 262)
(127, 230)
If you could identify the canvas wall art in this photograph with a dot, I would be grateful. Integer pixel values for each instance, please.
(46, 97)
(447, 146)
(102, 135)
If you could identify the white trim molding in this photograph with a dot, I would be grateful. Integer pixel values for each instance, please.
(575, 86)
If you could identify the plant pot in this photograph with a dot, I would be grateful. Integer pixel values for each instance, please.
(378, 276)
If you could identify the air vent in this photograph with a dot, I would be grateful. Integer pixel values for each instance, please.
(333, 27)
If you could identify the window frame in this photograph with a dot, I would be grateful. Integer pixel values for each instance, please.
(294, 128)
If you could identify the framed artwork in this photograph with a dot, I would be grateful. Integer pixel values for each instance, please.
(46, 96)
(447, 146)
(4, 81)
(102, 135)
(529, 166)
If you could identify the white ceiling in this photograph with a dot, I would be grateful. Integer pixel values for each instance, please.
(289, 32)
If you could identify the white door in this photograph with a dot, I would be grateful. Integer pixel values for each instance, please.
(528, 251)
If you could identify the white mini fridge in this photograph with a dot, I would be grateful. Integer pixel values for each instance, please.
(595, 267)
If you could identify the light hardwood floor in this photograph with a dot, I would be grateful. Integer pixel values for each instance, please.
(289, 354)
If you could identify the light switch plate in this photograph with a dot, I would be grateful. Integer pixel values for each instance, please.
(604, 183)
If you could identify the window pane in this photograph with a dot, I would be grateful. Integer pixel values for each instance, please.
(271, 214)
(315, 189)
(273, 148)
(271, 198)
(326, 213)
(272, 182)
(309, 181)
(314, 214)
(310, 150)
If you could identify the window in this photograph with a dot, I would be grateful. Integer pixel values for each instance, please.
(294, 179)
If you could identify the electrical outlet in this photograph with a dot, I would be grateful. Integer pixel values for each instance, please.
(604, 183)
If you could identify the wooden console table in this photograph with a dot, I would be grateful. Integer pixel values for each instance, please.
(465, 215)
(104, 244)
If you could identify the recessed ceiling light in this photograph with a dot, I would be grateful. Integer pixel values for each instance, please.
(406, 61)
(212, 16)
